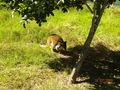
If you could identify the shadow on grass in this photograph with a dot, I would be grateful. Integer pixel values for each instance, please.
(101, 66)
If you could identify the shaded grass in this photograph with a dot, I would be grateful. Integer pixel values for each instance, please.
(100, 63)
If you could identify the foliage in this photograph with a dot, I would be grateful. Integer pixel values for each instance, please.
(39, 9)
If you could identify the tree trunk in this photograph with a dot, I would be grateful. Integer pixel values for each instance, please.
(97, 14)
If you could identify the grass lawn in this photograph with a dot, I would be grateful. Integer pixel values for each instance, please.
(25, 65)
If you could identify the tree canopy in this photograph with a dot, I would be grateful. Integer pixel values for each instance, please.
(38, 10)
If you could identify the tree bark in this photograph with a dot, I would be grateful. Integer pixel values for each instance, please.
(97, 14)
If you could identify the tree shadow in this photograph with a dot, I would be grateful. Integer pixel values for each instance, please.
(101, 66)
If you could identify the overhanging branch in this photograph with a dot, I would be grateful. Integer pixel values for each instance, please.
(89, 8)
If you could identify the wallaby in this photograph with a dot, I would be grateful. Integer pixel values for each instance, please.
(56, 43)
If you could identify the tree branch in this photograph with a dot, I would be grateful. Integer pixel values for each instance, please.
(89, 8)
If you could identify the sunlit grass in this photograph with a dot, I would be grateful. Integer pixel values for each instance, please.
(24, 64)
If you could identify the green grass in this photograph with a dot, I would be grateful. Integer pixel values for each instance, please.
(26, 65)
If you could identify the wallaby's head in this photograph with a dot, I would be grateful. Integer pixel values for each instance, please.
(61, 46)
(64, 45)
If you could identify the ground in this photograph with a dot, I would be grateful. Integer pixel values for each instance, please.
(26, 65)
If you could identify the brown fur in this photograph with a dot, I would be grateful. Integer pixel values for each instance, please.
(56, 43)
